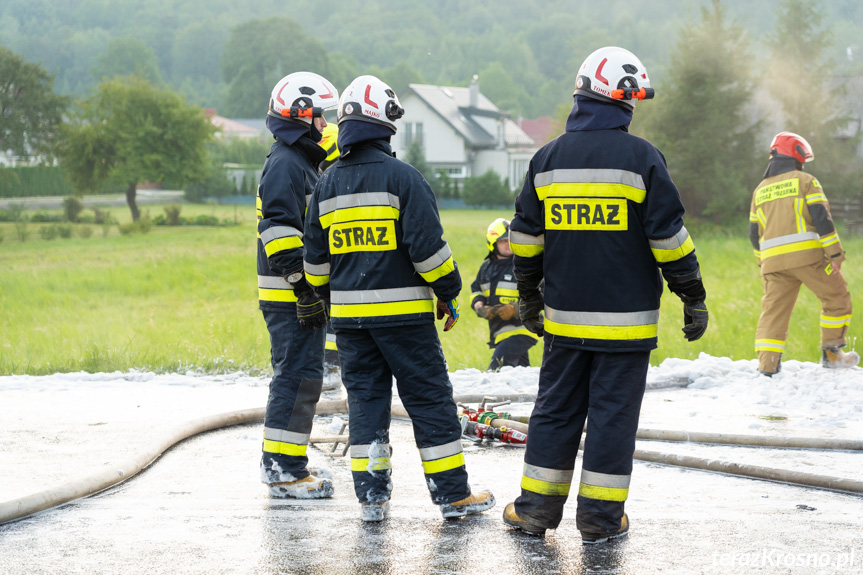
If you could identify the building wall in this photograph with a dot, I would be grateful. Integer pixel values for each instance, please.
(443, 145)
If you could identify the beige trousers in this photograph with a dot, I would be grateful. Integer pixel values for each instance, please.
(780, 294)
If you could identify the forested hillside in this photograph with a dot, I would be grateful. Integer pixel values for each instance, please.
(525, 53)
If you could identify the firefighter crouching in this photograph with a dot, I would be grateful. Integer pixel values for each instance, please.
(598, 214)
(796, 243)
(374, 247)
(295, 316)
(495, 298)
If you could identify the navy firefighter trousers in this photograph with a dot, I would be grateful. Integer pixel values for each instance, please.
(298, 375)
(605, 389)
(412, 354)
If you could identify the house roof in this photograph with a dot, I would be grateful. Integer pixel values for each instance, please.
(452, 103)
(540, 129)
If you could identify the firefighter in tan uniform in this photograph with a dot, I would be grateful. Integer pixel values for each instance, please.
(796, 243)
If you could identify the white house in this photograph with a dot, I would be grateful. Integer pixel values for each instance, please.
(463, 133)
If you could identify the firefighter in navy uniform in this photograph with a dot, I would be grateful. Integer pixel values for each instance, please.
(295, 316)
(374, 249)
(796, 243)
(495, 298)
(329, 142)
(598, 218)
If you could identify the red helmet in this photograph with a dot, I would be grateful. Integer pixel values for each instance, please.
(792, 145)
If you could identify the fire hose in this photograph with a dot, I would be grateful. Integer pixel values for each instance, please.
(129, 467)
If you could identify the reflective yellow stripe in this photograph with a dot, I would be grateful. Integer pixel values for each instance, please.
(762, 218)
(798, 208)
(612, 332)
(362, 464)
(776, 345)
(512, 332)
(380, 309)
(544, 487)
(829, 240)
(271, 446)
(835, 321)
(359, 213)
(506, 292)
(445, 268)
(444, 464)
(753, 217)
(602, 493)
(816, 197)
(288, 243)
(791, 248)
(317, 281)
(590, 190)
(526, 251)
(675, 254)
(284, 295)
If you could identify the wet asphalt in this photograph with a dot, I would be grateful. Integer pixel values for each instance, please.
(201, 509)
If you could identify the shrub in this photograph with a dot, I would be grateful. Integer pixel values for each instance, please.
(486, 191)
(172, 214)
(101, 216)
(45, 218)
(65, 230)
(85, 231)
(21, 229)
(72, 208)
(126, 229)
(48, 232)
(1, 238)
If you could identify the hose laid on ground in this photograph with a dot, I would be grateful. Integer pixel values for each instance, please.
(750, 440)
(127, 468)
(91, 484)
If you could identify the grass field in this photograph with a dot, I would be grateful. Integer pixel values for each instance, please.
(181, 298)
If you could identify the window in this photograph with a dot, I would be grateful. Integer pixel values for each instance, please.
(517, 170)
(412, 131)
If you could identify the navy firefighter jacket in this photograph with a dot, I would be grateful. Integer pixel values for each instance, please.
(373, 241)
(597, 217)
(495, 284)
(287, 181)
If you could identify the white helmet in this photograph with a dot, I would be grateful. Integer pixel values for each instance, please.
(370, 100)
(614, 74)
(302, 96)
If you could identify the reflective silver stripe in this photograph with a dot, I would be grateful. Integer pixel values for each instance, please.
(277, 232)
(505, 329)
(435, 261)
(602, 318)
(789, 239)
(362, 451)
(507, 285)
(273, 282)
(308, 200)
(358, 200)
(590, 176)
(548, 475)
(605, 479)
(440, 451)
(381, 295)
(485, 286)
(523, 239)
(284, 436)
(671, 243)
(331, 337)
(317, 269)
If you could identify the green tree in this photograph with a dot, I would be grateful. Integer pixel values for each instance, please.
(30, 111)
(258, 54)
(130, 131)
(415, 155)
(486, 191)
(797, 79)
(127, 57)
(701, 118)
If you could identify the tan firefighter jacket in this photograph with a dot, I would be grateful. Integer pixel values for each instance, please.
(790, 223)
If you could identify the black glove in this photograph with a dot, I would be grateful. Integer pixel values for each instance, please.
(694, 320)
(530, 303)
(688, 287)
(311, 310)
